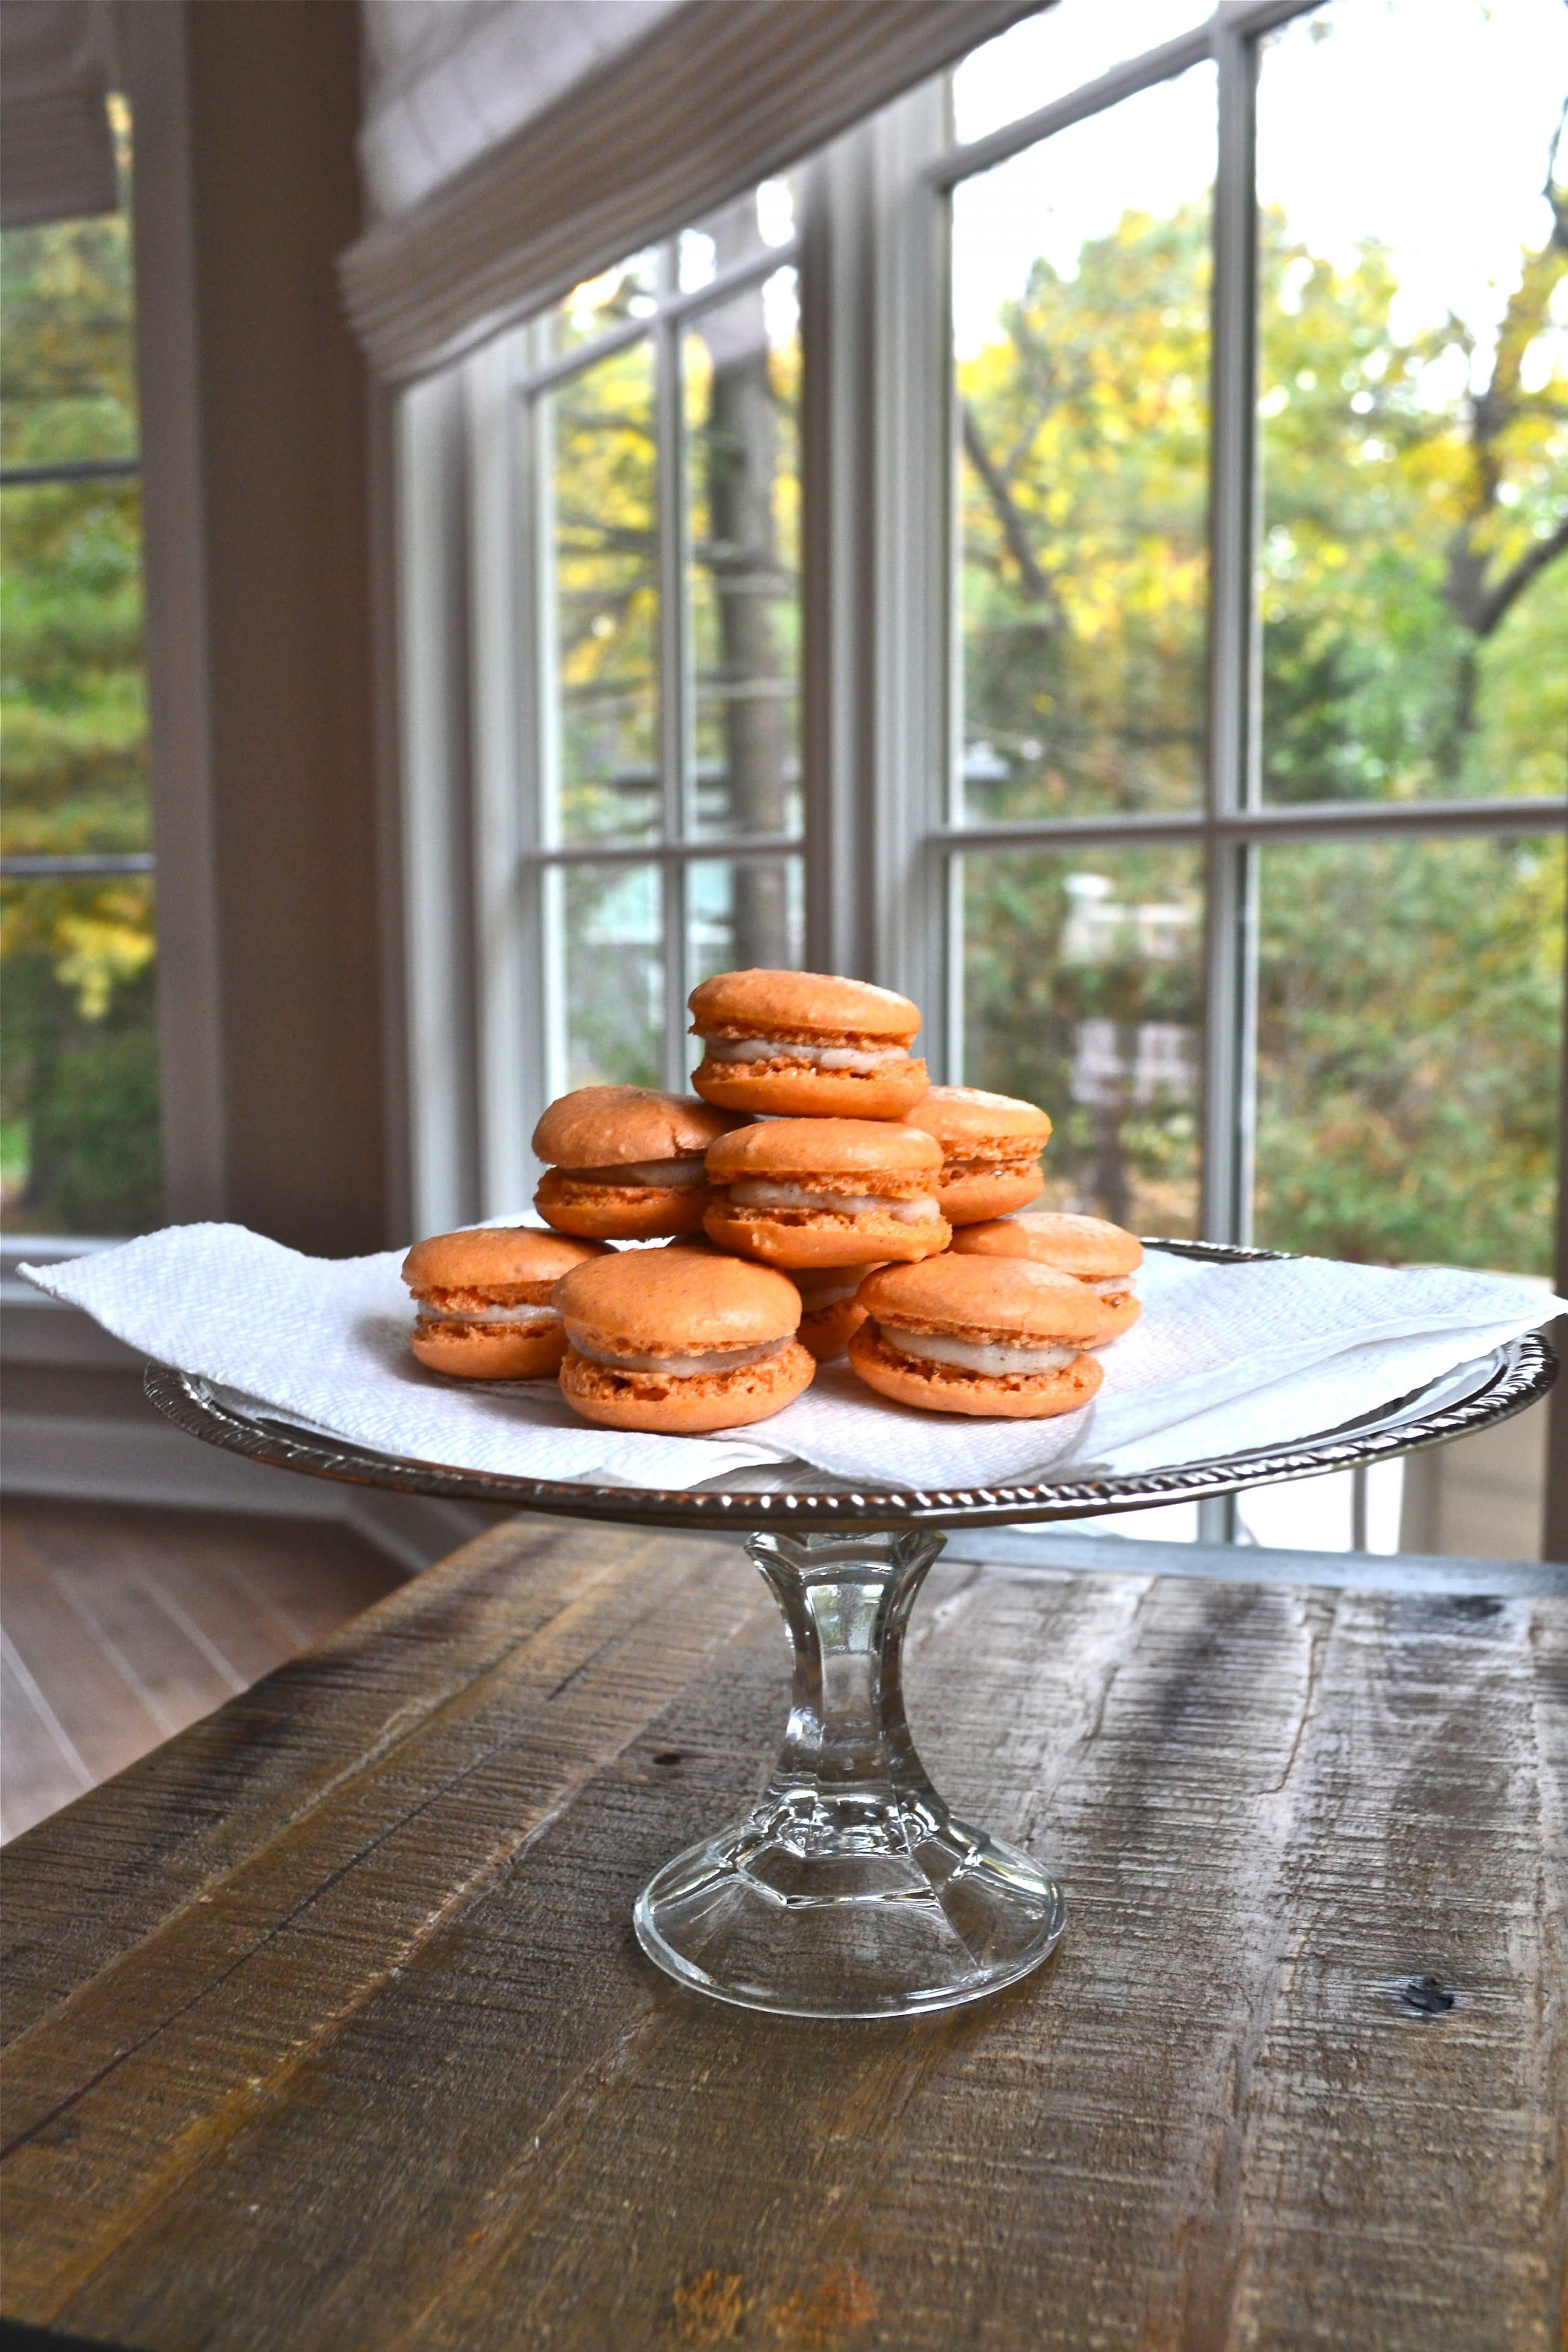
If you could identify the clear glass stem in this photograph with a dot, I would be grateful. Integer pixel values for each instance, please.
(849, 1890)
(847, 1773)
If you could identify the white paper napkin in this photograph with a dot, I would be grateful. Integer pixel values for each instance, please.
(1225, 1357)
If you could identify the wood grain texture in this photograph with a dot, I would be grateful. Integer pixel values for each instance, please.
(122, 1626)
(342, 2040)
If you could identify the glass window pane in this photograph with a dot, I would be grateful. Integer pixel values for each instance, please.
(73, 705)
(1083, 992)
(743, 913)
(79, 1148)
(67, 360)
(1080, 277)
(626, 291)
(1414, 402)
(605, 575)
(742, 409)
(764, 216)
(1410, 1040)
(1047, 56)
(612, 925)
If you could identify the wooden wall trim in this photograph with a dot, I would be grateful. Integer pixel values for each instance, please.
(190, 1009)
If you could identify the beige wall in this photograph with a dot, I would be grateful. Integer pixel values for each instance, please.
(273, 100)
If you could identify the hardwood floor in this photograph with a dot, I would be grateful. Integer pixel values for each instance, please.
(119, 1627)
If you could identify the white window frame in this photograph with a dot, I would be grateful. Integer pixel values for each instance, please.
(883, 229)
(482, 843)
(883, 840)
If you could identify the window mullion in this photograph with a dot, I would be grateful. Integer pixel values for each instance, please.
(912, 611)
(1232, 782)
(541, 767)
(678, 815)
(504, 693)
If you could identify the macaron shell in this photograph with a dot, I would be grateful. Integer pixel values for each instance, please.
(828, 1332)
(473, 1353)
(1089, 1247)
(620, 1212)
(1020, 1396)
(968, 1118)
(802, 1001)
(799, 1091)
(481, 1257)
(818, 1237)
(691, 1406)
(676, 1302)
(598, 1127)
(822, 1147)
(985, 1298)
(1124, 1312)
(971, 1199)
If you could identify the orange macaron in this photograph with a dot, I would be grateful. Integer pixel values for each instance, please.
(806, 1044)
(627, 1163)
(829, 1309)
(991, 1151)
(826, 1191)
(680, 1339)
(1101, 1256)
(486, 1301)
(989, 1336)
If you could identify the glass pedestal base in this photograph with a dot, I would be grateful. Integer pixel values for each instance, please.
(849, 1890)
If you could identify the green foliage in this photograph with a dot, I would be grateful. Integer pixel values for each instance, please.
(1410, 998)
(1084, 497)
(78, 1082)
(1396, 498)
(607, 596)
(1064, 967)
(67, 378)
(78, 1070)
(1412, 644)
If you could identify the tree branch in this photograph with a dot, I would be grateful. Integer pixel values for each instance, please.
(1036, 587)
(1558, 203)
(1489, 605)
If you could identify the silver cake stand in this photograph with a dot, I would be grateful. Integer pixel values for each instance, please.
(848, 1889)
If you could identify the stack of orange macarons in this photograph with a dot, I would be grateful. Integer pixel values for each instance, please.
(817, 1196)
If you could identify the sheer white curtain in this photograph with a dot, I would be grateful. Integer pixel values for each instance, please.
(514, 147)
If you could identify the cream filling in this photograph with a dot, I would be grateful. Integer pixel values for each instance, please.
(523, 1317)
(757, 1193)
(978, 1355)
(821, 1058)
(1111, 1289)
(658, 1173)
(682, 1368)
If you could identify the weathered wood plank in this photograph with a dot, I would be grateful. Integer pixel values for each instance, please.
(92, 1880)
(169, 2050)
(405, 2080)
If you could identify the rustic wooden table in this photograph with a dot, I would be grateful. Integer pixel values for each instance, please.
(327, 2028)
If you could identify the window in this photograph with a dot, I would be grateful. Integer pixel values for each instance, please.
(1254, 827)
(635, 483)
(1139, 634)
(79, 1091)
